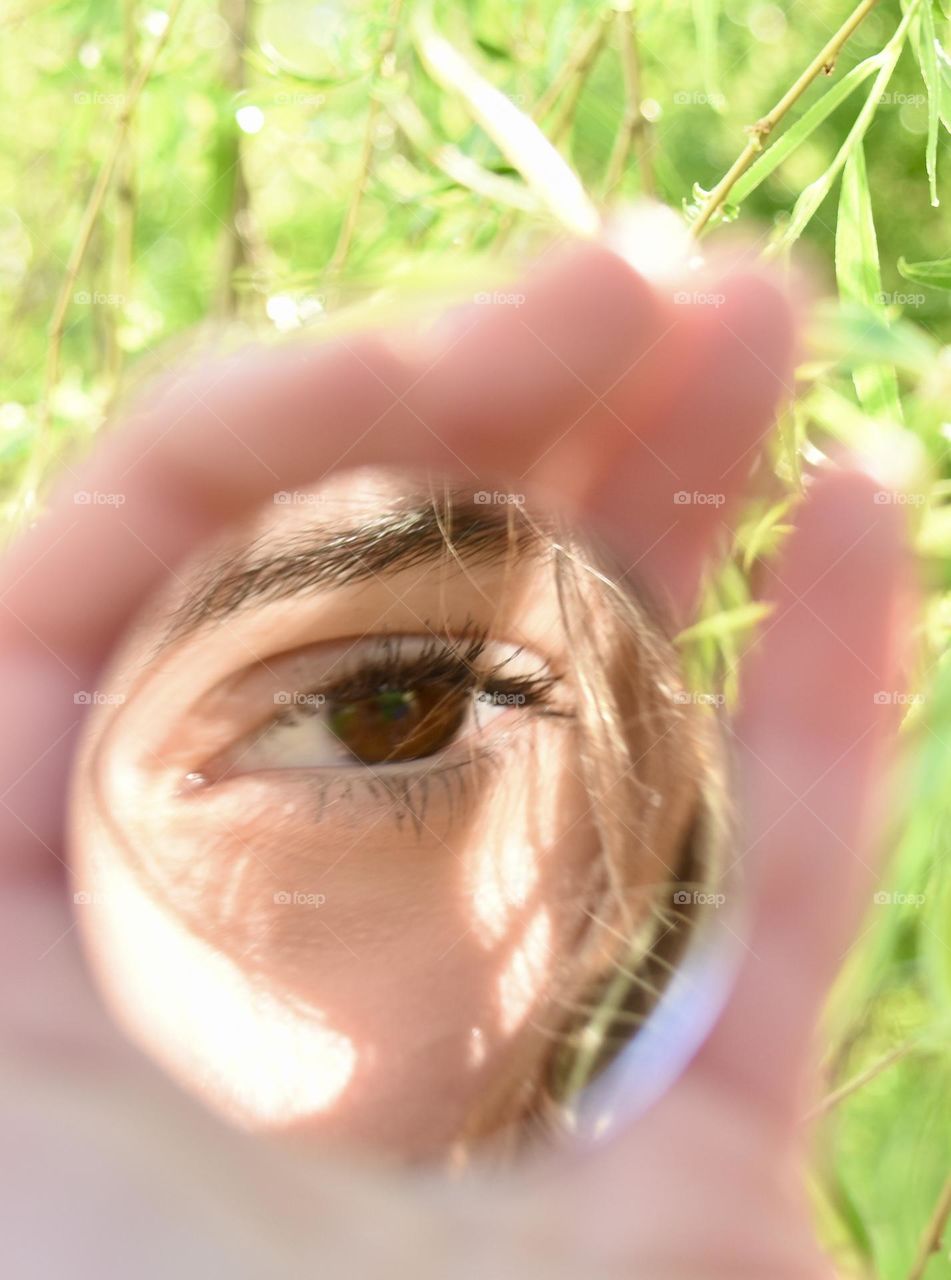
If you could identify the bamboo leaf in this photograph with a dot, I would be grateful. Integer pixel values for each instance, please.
(807, 124)
(937, 275)
(706, 17)
(812, 196)
(516, 135)
(860, 280)
(928, 62)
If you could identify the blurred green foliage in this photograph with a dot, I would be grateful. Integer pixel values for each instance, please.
(268, 161)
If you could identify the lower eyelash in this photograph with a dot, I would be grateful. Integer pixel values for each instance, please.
(405, 795)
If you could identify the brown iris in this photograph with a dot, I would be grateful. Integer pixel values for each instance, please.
(400, 724)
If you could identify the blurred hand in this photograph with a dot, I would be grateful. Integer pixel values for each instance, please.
(611, 399)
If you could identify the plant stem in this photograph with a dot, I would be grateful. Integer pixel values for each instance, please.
(235, 249)
(80, 246)
(931, 1239)
(348, 226)
(125, 211)
(823, 63)
(634, 127)
(576, 64)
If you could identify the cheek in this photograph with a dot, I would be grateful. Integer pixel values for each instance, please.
(359, 977)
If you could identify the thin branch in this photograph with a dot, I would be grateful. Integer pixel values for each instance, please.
(634, 127)
(83, 238)
(930, 1242)
(569, 104)
(823, 64)
(863, 1078)
(235, 250)
(576, 64)
(125, 211)
(383, 68)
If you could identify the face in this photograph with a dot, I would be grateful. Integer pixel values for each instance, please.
(335, 855)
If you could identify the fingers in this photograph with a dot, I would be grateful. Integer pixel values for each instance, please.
(813, 739)
(512, 391)
(226, 437)
(681, 430)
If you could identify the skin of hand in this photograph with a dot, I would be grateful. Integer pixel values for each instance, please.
(606, 396)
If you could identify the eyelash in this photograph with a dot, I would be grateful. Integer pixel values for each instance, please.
(451, 660)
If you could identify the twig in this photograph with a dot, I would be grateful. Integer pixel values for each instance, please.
(579, 59)
(930, 1241)
(633, 128)
(236, 251)
(823, 63)
(125, 212)
(348, 226)
(81, 245)
(569, 104)
(857, 1082)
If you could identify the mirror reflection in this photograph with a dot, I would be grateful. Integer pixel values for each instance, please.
(395, 819)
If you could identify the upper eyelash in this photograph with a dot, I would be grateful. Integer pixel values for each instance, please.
(449, 660)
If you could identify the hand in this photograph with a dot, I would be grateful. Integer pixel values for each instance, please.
(612, 398)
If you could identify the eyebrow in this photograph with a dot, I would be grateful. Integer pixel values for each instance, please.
(416, 533)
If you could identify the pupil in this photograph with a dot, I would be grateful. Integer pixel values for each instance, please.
(400, 724)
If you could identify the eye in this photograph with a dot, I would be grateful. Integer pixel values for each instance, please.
(391, 701)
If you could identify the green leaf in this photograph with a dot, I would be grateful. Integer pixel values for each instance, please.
(516, 135)
(936, 275)
(807, 123)
(811, 197)
(860, 280)
(728, 622)
(926, 49)
(706, 17)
